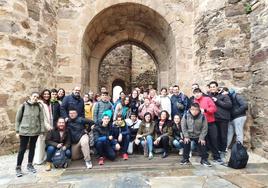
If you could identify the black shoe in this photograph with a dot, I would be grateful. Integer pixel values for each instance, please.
(219, 161)
(165, 154)
(18, 171)
(205, 163)
(30, 168)
(185, 162)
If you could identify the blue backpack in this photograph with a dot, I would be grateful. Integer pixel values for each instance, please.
(59, 160)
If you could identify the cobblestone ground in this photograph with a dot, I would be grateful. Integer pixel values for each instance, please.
(138, 172)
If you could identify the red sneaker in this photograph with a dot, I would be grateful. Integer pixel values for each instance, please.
(101, 161)
(125, 156)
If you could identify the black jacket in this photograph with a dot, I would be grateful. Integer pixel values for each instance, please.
(240, 106)
(72, 102)
(55, 107)
(166, 129)
(177, 132)
(77, 128)
(101, 132)
(53, 138)
(224, 106)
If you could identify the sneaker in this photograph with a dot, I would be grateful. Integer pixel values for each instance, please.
(88, 164)
(125, 156)
(101, 161)
(219, 161)
(190, 154)
(181, 152)
(205, 163)
(185, 162)
(151, 156)
(31, 168)
(165, 154)
(49, 166)
(18, 171)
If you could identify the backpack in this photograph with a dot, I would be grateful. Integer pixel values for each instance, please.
(239, 156)
(59, 159)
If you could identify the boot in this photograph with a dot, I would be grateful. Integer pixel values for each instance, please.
(49, 166)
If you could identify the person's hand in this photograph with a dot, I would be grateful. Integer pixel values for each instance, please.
(59, 145)
(181, 141)
(64, 148)
(202, 110)
(186, 140)
(93, 126)
(120, 137)
(110, 137)
(138, 136)
(202, 142)
(214, 99)
(17, 135)
(156, 142)
(66, 119)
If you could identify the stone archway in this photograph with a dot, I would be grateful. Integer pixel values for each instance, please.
(127, 23)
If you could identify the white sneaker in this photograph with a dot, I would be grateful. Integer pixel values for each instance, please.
(88, 164)
(190, 154)
(150, 156)
(181, 152)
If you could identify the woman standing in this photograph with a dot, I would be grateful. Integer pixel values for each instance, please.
(29, 124)
(40, 154)
(123, 109)
(135, 102)
(61, 94)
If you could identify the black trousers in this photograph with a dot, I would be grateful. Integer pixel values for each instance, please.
(222, 127)
(201, 149)
(212, 140)
(164, 143)
(104, 149)
(24, 140)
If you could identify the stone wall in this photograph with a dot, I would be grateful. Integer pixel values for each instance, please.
(259, 68)
(27, 58)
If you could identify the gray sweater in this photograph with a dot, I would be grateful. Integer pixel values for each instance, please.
(99, 108)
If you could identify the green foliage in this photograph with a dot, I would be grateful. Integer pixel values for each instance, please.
(248, 8)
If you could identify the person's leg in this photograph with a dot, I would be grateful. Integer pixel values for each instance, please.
(213, 140)
(109, 151)
(222, 136)
(50, 152)
(32, 145)
(239, 128)
(230, 133)
(125, 143)
(23, 146)
(68, 153)
(186, 150)
(100, 148)
(176, 144)
(84, 141)
(76, 151)
(165, 143)
(202, 150)
(149, 140)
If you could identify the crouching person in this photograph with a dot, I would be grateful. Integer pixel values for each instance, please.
(103, 140)
(58, 138)
(194, 128)
(79, 137)
(120, 134)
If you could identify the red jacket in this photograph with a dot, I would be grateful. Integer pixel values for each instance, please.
(209, 107)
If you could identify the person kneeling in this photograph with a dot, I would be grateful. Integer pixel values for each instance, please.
(120, 134)
(194, 128)
(57, 139)
(103, 140)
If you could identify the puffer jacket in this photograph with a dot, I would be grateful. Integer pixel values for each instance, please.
(30, 119)
(194, 126)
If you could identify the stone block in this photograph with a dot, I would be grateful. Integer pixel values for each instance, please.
(235, 10)
(216, 54)
(33, 9)
(64, 79)
(8, 26)
(22, 43)
(64, 13)
(3, 99)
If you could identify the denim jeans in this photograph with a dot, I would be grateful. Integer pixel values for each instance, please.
(52, 149)
(104, 149)
(177, 144)
(149, 140)
(236, 127)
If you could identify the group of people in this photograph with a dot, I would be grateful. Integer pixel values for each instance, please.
(142, 120)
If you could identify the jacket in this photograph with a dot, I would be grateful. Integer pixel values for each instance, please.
(145, 131)
(179, 104)
(101, 133)
(240, 106)
(166, 130)
(177, 132)
(194, 127)
(99, 108)
(209, 107)
(55, 108)
(134, 105)
(30, 119)
(89, 111)
(224, 106)
(77, 128)
(123, 110)
(165, 103)
(53, 138)
(117, 129)
(72, 101)
(152, 109)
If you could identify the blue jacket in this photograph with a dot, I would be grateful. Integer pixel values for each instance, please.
(72, 102)
(179, 100)
(116, 130)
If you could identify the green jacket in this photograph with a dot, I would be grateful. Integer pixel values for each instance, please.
(29, 120)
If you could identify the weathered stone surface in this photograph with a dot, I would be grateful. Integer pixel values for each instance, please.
(8, 26)
(22, 43)
(233, 1)
(33, 9)
(3, 99)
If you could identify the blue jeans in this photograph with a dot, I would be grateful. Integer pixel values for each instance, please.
(177, 144)
(149, 140)
(105, 149)
(236, 127)
(52, 149)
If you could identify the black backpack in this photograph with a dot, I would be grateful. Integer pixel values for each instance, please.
(239, 156)
(59, 160)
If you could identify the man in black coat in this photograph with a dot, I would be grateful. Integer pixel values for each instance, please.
(222, 116)
(55, 107)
